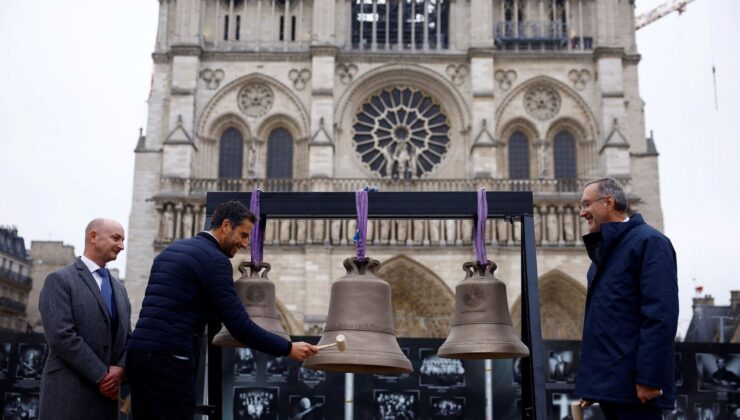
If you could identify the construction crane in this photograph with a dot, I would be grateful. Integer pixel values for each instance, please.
(660, 11)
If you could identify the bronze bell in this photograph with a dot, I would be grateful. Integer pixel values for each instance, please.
(257, 294)
(360, 308)
(481, 326)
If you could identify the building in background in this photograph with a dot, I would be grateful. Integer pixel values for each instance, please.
(46, 257)
(406, 95)
(715, 324)
(15, 280)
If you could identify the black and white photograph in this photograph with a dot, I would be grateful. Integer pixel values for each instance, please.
(716, 372)
(706, 411)
(680, 411)
(560, 405)
(436, 371)
(31, 360)
(562, 366)
(256, 403)
(277, 369)
(447, 408)
(396, 405)
(311, 375)
(20, 406)
(244, 364)
(304, 407)
(516, 371)
(5, 349)
(679, 369)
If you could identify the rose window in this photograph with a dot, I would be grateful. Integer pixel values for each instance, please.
(542, 102)
(401, 133)
(255, 99)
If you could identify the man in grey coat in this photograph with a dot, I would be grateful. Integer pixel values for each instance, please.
(86, 316)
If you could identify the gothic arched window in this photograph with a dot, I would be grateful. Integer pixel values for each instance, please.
(230, 154)
(518, 156)
(280, 154)
(564, 147)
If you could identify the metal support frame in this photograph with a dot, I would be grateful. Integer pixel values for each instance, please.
(410, 205)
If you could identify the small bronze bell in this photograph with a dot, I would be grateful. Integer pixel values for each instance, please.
(360, 309)
(257, 294)
(481, 326)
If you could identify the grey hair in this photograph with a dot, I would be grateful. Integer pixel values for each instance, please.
(612, 187)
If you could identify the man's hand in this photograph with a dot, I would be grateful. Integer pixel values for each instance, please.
(111, 382)
(645, 393)
(302, 351)
(585, 403)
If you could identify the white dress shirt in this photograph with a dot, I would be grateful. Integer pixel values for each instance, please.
(92, 267)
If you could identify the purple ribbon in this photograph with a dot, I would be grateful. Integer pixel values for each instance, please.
(257, 235)
(479, 228)
(361, 204)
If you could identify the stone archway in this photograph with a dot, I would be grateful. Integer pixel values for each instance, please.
(422, 302)
(562, 305)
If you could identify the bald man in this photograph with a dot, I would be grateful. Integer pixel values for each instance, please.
(86, 316)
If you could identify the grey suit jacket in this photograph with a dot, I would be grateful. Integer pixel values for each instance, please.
(78, 329)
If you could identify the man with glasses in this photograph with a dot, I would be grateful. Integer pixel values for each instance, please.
(627, 352)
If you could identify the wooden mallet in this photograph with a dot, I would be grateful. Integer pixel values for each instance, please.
(341, 343)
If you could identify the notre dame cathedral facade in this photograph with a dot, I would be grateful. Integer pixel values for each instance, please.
(405, 95)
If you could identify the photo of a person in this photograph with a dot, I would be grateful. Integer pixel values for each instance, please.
(5, 349)
(561, 366)
(706, 411)
(679, 412)
(20, 406)
(306, 407)
(243, 361)
(717, 372)
(31, 360)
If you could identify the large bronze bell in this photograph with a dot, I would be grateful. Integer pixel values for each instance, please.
(257, 294)
(360, 308)
(481, 326)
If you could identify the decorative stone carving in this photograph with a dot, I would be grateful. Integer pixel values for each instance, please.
(458, 73)
(299, 78)
(401, 132)
(212, 78)
(346, 72)
(542, 102)
(255, 99)
(579, 78)
(505, 78)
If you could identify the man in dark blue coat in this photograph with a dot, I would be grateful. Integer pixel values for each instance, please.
(627, 353)
(191, 280)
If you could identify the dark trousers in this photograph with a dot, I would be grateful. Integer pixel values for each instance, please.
(630, 412)
(162, 386)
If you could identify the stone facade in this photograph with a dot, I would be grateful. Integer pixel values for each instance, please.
(327, 95)
(15, 282)
(46, 257)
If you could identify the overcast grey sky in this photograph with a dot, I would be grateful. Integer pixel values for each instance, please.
(75, 77)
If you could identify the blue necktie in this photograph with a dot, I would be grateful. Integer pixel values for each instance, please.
(107, 291)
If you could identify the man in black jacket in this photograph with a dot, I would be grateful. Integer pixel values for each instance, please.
(189, 281)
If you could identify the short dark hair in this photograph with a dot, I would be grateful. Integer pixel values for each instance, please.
(612, 187)
(233, 211)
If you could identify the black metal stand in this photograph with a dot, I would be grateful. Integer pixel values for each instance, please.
(411, 205)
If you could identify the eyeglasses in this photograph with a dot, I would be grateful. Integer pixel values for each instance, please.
(585, 204)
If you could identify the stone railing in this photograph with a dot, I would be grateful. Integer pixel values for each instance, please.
(181, 206)
(17, 278)
(200, 186)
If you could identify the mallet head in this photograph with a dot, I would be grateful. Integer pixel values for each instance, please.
(341, 342)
